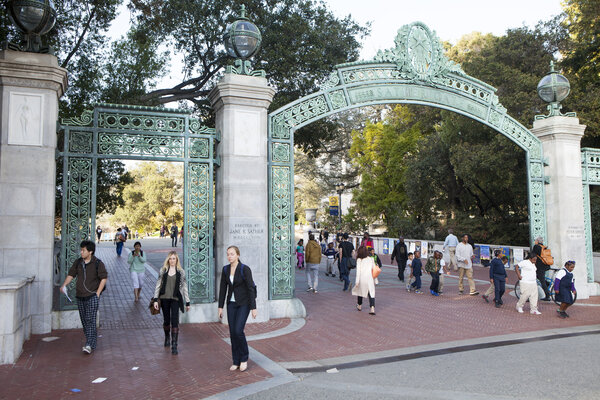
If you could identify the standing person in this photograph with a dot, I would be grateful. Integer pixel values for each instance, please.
(119, 240)
(564, 287)
(239, 289)
(171, 289)
(450, 243)
(181, 236)
(492, 288)
(326, 235)
(91, 279)
(174, 233)
(542, 264)
(435, 266)
(364, 285)
(163, 229)
(313, 260)
(411, 257)
(98, 233)
(346, 251)
(498, 277)
(464, 256)
(400, 253)
(331, 255)
(300, 254)
(137, 268)
(367, 241)
(417, 271)
(526, 271)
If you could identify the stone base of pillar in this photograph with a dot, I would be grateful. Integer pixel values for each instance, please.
(70, 320)
(288, 308)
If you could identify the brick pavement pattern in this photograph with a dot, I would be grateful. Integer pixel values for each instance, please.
(131, 337)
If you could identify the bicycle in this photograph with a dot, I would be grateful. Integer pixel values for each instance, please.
(550, 282)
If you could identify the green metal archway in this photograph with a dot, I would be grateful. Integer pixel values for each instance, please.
(416, 71)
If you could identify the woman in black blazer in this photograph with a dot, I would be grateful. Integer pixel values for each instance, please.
(237, 285)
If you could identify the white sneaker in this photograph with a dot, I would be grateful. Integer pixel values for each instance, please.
(520, 309)
(535, 312)
(87, 349)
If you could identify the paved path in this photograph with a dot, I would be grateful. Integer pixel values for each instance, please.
(334, 334)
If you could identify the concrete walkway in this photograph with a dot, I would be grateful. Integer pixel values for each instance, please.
(333, 335)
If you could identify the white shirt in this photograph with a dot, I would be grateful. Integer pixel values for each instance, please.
(464, 252)
(232, 295)
(527, 269)
(442, 265)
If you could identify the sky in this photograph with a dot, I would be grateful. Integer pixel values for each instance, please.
(451, 19)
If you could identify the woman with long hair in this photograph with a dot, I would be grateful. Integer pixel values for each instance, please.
(364, 285)
(171, 289)
(239, 289)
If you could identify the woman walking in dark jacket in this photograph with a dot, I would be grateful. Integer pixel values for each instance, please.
(171, 289)
(239, 289)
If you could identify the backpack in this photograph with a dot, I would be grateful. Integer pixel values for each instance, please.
(242, 274)
(546, 255)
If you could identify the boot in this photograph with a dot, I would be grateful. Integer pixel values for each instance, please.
(167, 329)
(174, 335)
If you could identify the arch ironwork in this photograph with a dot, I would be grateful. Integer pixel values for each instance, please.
(111, 131)
(415, 71)
(590, 173)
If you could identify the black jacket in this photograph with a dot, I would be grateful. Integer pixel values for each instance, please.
(243, 288)
(398, 254)
(178, 285)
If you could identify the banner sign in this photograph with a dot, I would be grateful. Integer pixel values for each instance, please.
(333, 210)
(334, 201)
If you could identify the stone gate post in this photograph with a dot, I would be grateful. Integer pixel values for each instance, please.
(240, 103)
(561, 138)
(30, 86)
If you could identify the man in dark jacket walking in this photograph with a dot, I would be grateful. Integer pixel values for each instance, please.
(541, 267)
(400, 253)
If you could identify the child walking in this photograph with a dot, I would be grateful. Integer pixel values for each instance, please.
(564, 288)
(377, 261)
(411, 256)
(331, 255)
(498, 277)
(300, 254)
(417, 267)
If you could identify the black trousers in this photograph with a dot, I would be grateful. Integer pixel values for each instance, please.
(541, 276)
(499, 287)
(371, 300)
(435, 281)
(401, 268)
(170, 309)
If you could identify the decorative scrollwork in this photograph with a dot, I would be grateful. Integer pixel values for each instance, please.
(282, 284)
(155, 123)
(87, 117)
(198, 232)
(197, 128)
(136, 144)
(338, 99)
(281, 152)
(199, 148)
(80, 142)
(303, 111)
(332, 80)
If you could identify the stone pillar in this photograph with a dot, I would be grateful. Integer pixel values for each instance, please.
(30, 86)
(561, 137)
(240, 103)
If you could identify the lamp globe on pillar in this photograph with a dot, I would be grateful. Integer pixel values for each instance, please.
(242, 40)
(33, 18)
(553, 88)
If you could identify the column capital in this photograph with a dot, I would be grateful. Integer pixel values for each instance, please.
(32, 70)
(241, 90)
(558, 127)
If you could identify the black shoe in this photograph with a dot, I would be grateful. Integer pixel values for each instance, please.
(546, 299)
(333, 275)
(497, 305)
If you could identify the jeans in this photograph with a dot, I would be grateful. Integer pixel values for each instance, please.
(174, 241)
(371, 300)
(435, 282)
(119, 248)
(236, 318)
(417, 283)
(88, 309)
(170, 309)
(345, 272)
(499, 287)
(312, 275)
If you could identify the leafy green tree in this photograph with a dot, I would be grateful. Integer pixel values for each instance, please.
(153, 197)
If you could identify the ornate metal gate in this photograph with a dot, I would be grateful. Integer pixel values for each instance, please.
(141, 133)
(590, 173)
(416, 71)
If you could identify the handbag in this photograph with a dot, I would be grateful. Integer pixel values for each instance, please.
(375, 271)
(153, 310)
(351, 263)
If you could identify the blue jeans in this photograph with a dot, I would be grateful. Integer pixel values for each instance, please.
(417, 283)
(236, 317)
(119, 248)
(345, 272)
(499, 288)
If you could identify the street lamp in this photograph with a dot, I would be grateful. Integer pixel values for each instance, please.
(33, 18)
(339, 188)
(242, 40)
(554, 88)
